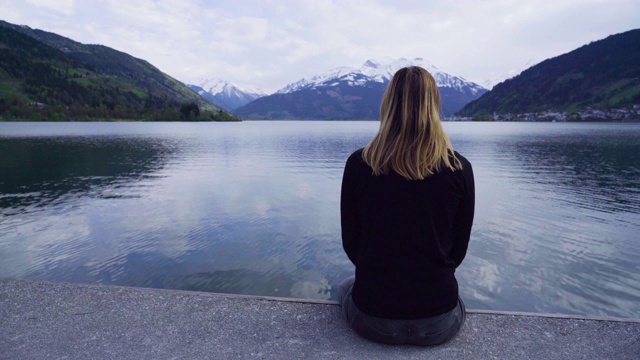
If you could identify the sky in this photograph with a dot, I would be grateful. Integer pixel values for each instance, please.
(267, 44)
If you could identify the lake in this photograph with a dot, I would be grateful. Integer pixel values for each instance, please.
(253, 208)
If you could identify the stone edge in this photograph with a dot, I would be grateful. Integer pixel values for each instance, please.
(314, 301)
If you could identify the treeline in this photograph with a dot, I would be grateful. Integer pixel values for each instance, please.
(13, 108)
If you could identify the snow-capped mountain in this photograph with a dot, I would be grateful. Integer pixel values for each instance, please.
(353, 93)
(381, 71)
(224, 94)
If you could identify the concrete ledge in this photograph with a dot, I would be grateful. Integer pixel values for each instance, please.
(72, 321)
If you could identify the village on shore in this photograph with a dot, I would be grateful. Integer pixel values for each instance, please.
(631, 114)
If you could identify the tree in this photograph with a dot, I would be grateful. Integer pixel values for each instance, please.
(187, 110)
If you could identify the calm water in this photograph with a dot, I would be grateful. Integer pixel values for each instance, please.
(253, 208)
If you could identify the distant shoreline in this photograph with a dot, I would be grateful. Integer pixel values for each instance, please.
(499, 118)
(586, 115)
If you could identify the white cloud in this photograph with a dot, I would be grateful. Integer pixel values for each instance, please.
(65, 7)
(268, 44)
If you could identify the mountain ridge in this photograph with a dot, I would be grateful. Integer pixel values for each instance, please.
(604, 74)
(382, 71)
(353, 93)
(224, 94)
(45, 76)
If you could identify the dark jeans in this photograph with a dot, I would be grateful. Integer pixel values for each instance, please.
(428, 331)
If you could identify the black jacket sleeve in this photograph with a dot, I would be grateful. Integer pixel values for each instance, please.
(349, 217)
(464, 216)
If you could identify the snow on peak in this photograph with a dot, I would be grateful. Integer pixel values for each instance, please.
(213, 86)
(378, 70)
(218, 86)
(316, 80)
(383, 70)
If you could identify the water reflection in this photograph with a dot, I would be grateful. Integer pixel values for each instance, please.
(43, 171)
(222, 210)
(557, 220)
(603, 168)
(253, 208)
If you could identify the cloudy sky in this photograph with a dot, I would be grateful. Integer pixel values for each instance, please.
(267, 44)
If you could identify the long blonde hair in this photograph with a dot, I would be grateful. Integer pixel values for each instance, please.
(411, 140)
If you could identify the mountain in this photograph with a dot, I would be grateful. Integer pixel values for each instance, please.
(44, 76)
(604, 74)
(353, 93)
(224, 94)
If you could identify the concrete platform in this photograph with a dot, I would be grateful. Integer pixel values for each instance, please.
(49, 320)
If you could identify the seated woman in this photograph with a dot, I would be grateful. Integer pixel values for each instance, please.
(407, 206)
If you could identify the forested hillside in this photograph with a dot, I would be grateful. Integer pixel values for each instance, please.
(602, 75)
(44, 76)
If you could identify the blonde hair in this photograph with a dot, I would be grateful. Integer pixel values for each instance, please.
(411, 140)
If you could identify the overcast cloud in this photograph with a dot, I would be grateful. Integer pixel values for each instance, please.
(269, 43)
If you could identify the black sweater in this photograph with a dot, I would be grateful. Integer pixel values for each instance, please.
(406, 238)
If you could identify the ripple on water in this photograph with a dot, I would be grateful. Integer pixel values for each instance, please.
(252, 208)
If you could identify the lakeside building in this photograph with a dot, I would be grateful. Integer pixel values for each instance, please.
(618, 115)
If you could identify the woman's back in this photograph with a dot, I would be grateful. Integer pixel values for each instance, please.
(406, 237)
(407, 208)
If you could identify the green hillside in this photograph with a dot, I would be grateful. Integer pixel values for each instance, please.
(603, 75)
(44, 76)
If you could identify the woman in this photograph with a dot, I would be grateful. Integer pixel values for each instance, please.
(406, 208)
